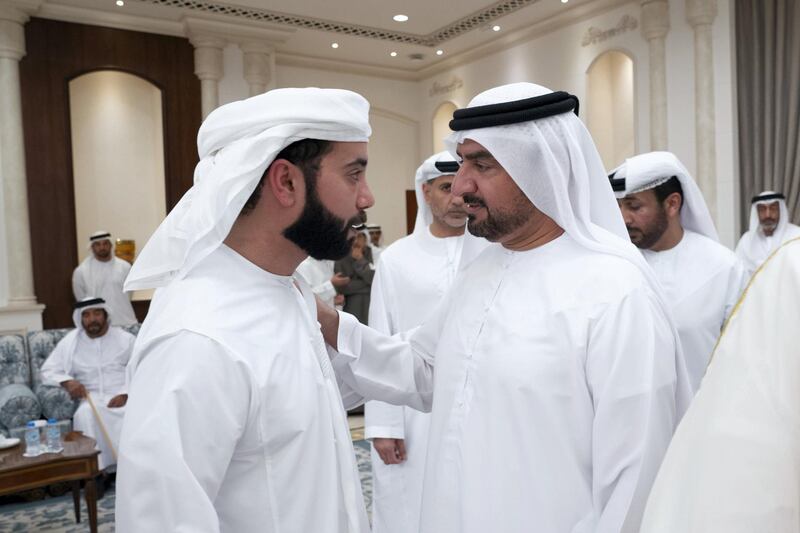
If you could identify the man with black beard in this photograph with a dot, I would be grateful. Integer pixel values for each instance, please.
(236, 421)
(667, 219)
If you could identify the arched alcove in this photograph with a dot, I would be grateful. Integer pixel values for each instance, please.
(609, 106)
(441, 124)
(116, 127)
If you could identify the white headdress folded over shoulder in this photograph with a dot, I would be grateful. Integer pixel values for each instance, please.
(556, 164)
(236, 144)
(426, 172)
(647, 171)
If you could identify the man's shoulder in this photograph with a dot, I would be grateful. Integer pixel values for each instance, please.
(120, 333)
(398, 250)
(121, 263)
(710, 252)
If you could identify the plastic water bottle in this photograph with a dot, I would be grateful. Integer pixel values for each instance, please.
(32, 444)
(53, 436)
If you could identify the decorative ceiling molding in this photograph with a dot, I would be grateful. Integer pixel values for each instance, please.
(339, 66)
(475, 20)
(543, 27)
(236, 33)
(573, 16)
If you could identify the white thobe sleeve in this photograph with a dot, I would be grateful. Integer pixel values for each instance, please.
(630, 371)
(190, 402)
(79, 289)
(325, 291)
(392, 369)
(381, 419)
(54, 370)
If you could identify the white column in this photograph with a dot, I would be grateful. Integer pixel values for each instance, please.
(701, 15)
(655, 25)
(18, 310)
(208, 67)
(258, 66)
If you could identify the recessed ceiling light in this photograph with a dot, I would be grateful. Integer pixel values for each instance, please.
(334, 45)
(120, 3)
(400, 18)
(439, 52)
(564, 1)
(495, 28)
(393, 54)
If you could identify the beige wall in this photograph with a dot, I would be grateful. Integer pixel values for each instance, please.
(117, 155)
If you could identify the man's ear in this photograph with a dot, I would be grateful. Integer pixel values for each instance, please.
(426, 192)
(673, 203)
(285, 181)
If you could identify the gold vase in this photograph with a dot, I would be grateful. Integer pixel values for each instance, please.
(125, 249)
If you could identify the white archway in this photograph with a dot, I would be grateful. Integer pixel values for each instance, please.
(610, 106)
(441, 124)
(117, 140)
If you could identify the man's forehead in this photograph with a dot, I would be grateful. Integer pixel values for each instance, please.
(470, 149)
(347, 153)
(768, 205)
(438, 180)
(641, 196)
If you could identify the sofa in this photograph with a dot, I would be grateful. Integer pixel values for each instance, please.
(23, 397)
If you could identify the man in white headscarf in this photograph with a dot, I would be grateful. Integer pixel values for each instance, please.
(101, 275)
(411, 279)
(769, 228)
(668, 220)
(90, 361)
(558, 377)
(375, 241)
(734, 463)
(235, 421)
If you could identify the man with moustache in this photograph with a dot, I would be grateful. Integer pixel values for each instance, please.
(551, 367)
(770, 227)
(668, 220)
(411, 279)
(90, 361)
(235, 421)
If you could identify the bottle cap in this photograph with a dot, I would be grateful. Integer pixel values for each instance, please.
(51, 421)
(31, 424)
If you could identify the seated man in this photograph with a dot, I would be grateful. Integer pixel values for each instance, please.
(91, 361)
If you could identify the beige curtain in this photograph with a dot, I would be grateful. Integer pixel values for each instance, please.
(768, 85)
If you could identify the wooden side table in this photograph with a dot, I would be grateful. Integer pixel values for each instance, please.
(78, 462)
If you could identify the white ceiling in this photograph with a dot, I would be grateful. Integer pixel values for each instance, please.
(364, 30)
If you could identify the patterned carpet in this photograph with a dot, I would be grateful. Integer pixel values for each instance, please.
(55, 515)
